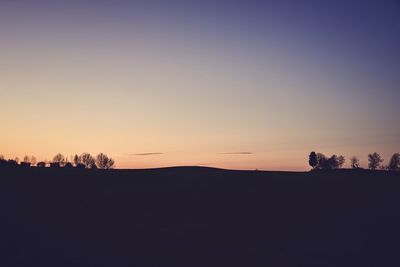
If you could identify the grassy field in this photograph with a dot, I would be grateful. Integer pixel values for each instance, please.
(191, 216)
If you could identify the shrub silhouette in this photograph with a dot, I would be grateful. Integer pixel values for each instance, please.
(41, 164)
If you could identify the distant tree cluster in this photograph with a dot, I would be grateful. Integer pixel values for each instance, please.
(83, 161)
(319, 161)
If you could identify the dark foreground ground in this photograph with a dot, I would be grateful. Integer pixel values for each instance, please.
(198, 217)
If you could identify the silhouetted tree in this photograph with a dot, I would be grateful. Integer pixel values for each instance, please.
(394, 164)
(374, 161)
(354, 162)
(313, 160)
(59, 158)
(77, 160)
(104, 162)
(333, 162)
(88, 160)
(341, 160)
(322, 161)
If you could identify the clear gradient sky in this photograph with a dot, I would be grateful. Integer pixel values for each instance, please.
(161, 83)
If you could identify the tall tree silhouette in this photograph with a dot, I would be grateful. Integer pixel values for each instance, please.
(77, 160)
(394, 164)
(341, 160)
(313, 160)
(374, 160)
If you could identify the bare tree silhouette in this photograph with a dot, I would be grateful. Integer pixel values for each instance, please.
(58, 159)
(341, 160)
(88, 160)
(104, 162)
(85, 160)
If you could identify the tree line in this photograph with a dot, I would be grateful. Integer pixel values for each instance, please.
(82, 161)
(319, 161)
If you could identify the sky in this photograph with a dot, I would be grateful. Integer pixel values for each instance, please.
(230, 84)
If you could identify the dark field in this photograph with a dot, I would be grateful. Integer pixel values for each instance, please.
(198, 217)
